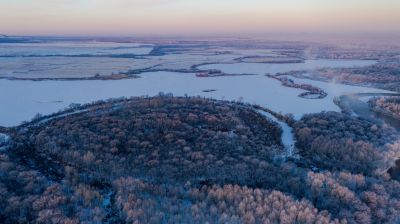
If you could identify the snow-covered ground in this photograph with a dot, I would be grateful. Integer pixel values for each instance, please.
(67, 67)
(72, 48)
(89, 66)
(273, 68)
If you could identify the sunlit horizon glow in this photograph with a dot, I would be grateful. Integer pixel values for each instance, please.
(186, 17)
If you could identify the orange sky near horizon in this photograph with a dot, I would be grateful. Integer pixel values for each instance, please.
(193, 17)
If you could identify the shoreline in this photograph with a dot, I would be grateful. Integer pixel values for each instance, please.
(310, 90)
(351, 104)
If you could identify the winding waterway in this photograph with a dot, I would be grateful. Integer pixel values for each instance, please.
(287, 138)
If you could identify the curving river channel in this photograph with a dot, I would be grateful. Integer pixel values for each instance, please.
(287, 138)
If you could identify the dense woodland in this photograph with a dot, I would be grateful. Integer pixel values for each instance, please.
(194, 160)
(384, 75)
(386, 105)
(339, 141)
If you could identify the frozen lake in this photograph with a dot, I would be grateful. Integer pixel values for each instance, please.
(21, 100)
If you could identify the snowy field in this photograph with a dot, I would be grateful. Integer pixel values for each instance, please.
(72, 49)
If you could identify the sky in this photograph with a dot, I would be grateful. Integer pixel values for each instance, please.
(196, 17)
